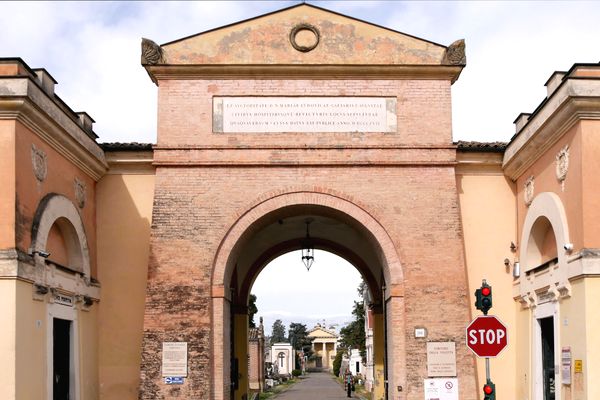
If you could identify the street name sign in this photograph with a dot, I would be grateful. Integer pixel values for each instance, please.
(487, 336)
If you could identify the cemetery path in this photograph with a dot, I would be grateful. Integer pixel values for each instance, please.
(316, 386)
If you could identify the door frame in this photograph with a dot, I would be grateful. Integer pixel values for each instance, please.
(70, 314)
(545, 310)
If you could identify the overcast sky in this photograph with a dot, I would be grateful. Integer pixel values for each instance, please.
(286, 290)
(93, 50)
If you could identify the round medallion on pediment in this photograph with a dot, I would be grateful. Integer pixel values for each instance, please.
(304, 37)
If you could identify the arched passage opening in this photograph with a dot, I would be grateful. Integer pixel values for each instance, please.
(277, 226)
(318, 312)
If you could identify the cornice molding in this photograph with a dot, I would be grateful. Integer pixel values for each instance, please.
(285, 71)
(17, 265)
(130, 162)
(574, 101)
(479, 163)
(33, 109)
(305, 147)
(306, 156)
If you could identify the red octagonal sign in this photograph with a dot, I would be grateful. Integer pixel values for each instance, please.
(487, 336)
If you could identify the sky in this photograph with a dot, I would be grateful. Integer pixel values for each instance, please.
(325, 294)
(93, 50)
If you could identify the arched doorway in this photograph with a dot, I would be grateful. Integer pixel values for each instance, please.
(59, 248)
(277, 226)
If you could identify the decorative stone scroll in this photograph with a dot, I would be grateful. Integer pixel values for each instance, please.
(455, 54)
(39, 163)
(562, 165)
(304, 114)
(152, 53)
(80, 192)
(529, 191)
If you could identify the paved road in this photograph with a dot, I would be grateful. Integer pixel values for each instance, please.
(317, 386)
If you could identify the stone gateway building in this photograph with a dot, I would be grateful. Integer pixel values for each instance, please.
(126, 268)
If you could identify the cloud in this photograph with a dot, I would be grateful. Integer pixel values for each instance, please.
(93, 50)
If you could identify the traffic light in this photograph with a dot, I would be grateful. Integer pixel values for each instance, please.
(489, 390)
(483, 298)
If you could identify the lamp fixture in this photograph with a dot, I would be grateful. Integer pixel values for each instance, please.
(87, 301)
(516, 269)
(516, 266)
(308, 248)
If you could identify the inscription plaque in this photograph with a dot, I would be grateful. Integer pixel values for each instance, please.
(441, 359)
(304, 114)
(174, 359)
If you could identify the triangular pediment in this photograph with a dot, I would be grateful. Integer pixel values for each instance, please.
(321, 333)
(286, 37)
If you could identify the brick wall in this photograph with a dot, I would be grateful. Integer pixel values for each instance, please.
(205, 180)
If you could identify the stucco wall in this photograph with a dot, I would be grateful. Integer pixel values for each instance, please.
(31, 344)
(544, 173)
(591, 358)
(124, 215)
(59, 179)
(8, 321)
(487, 201)
(574, 333)
(590, 148)
(7, 182)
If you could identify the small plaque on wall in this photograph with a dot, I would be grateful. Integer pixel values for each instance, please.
(174, 359)
(441, 389)
(441, 359)
(566, 359)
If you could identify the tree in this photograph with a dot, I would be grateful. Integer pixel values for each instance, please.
(337, 362)
(353, 335)
(362, 288)
(278, 332)
(298, 336)
(252, 310)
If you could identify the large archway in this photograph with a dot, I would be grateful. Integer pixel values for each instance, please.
(362, 147)
(275, 226)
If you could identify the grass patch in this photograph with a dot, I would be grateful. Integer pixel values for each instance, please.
(277, 389)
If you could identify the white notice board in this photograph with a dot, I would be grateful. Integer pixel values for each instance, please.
(441, 389)
(174, 359)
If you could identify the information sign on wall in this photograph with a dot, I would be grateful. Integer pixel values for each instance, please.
(174, 359)
(304, 114)
(566, 360)
(578, 366)
(441, 359)
(441, 389)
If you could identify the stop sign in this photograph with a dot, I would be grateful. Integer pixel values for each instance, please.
(486, 336)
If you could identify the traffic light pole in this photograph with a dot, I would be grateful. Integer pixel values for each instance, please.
(483, 302)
